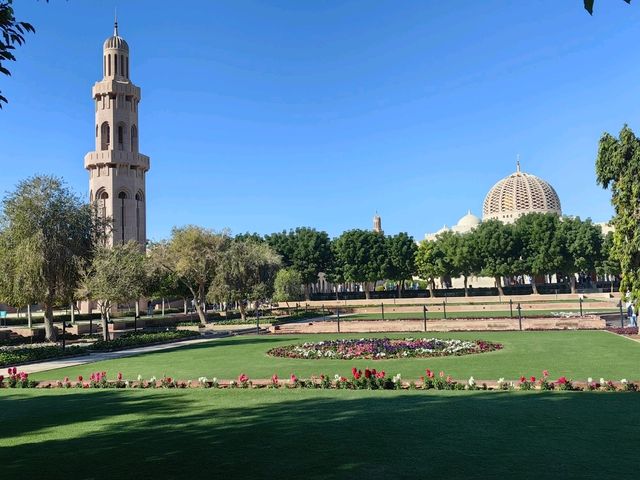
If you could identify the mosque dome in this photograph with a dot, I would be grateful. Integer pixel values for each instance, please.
(518, 194)
(469, 220)
(116, 41)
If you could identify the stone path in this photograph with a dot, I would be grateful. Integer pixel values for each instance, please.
(99, 356)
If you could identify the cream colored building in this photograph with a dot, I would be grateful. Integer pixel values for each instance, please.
(117, 169)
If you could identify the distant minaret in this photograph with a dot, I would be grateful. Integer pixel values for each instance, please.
(377, 223)
(117, 169)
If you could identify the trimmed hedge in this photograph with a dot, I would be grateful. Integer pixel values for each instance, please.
(33, 354)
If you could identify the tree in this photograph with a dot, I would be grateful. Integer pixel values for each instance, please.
(193, 254)
(429, 263)
(608, 265)
(287, 286)
(498, 249)
(161, 282)
(12, 34)
(588, 5)
(541, 248)
(618, 169)
(304, 249)
(401, 263)
(48, 237)
(117, 275)
(581, 247)
(460, 256)
(245, 273)
(361, 257)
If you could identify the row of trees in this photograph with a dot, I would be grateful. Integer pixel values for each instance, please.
(535, 245)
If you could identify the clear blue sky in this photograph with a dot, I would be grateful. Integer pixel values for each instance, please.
(262, 116)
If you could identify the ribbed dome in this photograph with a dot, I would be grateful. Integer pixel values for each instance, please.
(116, 42)
(518, 194)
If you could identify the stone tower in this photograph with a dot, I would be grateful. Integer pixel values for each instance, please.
(116, 168)
(377, 223)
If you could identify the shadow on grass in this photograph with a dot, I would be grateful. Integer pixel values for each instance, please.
(316, 434)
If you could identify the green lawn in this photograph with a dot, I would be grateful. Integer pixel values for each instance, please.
(314, 434)
(467, 314)
(576, 354)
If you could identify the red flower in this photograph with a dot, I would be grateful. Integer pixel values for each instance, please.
(373, 372)
(562, 380)
(356, 375)
(343, 379)
(119, 376)
(429, 373)
(533, 379)
(79, 378)
(66, 379)
(1, 378)
(367, 373)
(274, 378)
(243, 378)
(380, 374)
(293, 378)
(522, 379)
(353, 371)
(545, 373)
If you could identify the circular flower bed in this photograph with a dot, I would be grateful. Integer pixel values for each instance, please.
(383, 348)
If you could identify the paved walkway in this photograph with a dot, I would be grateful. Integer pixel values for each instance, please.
(99, 356)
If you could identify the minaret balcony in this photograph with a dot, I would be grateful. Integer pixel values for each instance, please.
(105, 157)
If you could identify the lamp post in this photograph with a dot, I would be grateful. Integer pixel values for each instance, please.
(520, 316)
(444, 309)
(338, 316)
(580, 301)
(621, 317)
(510, 308)
(382, 310)
(424, 316)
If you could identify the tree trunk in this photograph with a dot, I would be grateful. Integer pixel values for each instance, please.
(243, 312)
(49, 329)
(307, 292)
(534, 287)
(498, 280)
(466, 290)
(73, 313)
(365, 285)
(30, 317)
(431, 287)
(200, 312)
(184, 305)
(105, 324)
(163, 306)
(572, 281)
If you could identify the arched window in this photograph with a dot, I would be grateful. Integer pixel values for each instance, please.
(134, 138)
(139, 200)
(127, 67)
(115, 64)
(122, 196)
(105, 134)
(121, 137)
(109, 64)
(121, 65)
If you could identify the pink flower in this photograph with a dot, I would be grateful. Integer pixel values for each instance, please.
(562, 380)
(448, 378)
(353, 371)
(522, 379)
(274, 378)
(441, 374)
(532, 379)
(243, 378)
(293, 378)
(66, 379)
(79, 378)
(429, 373)
(119, 376)
(545, 373)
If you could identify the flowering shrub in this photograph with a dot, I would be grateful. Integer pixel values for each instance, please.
(16, 379)
(383, 348)
(624, 330)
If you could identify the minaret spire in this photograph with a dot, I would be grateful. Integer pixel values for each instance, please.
(518, 163)
(115, 22)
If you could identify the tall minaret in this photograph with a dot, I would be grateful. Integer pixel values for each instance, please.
(377, 223)
(116, 168)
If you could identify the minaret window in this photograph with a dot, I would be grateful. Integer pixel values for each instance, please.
(134, 138)
(138, 207)
(122, 196)
(104, 136)
(121, 65)
(109, 64)
(120, 137)
(115, 64)
(127, 67)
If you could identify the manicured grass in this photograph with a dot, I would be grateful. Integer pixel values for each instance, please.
(576, 354)
(453, 315)
(314, 434)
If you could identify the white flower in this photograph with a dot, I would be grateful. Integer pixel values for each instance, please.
(215, 380)
(126, 384)
(590, 380)
(601, 380)
(472, 381)
(501, 380)
(139, 377)
(336, 377)
(152, 379)
(624, 381)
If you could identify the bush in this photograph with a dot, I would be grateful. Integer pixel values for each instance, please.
(135, 339)
(36, 352)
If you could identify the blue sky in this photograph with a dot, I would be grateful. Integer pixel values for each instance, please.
(262, 116)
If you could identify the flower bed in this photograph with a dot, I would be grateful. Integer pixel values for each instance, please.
(136, 339)
(369, 379)
(383, 348)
